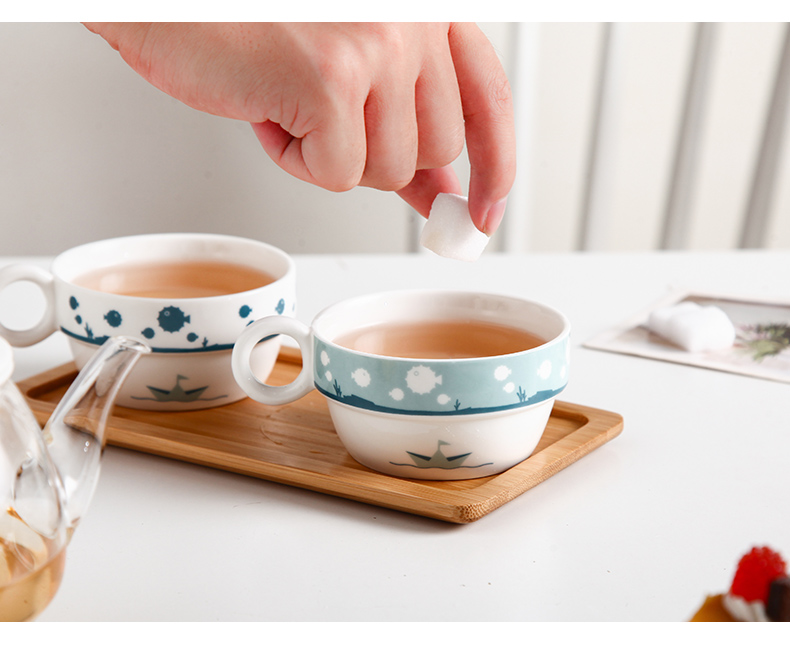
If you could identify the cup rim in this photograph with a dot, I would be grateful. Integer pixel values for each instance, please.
(440, 387)
(74, 253)
(370, 297)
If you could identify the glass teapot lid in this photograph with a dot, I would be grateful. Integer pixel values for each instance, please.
(6, 361)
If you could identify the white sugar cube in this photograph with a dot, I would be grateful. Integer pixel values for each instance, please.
(449, 230)
(659, 318)
(693, 327)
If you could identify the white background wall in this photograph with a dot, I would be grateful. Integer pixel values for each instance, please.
(650, 70)
(89, 150)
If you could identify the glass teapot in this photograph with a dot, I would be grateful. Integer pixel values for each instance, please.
(47, 478)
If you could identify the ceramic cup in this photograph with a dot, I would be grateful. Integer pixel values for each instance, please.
(423, 418)
(191, 338)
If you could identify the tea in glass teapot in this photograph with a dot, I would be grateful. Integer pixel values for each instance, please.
(47, 478)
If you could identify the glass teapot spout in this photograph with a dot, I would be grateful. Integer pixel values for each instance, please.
(75, 432)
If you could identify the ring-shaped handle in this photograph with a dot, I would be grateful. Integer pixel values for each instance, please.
(242, 351)
(46, 325)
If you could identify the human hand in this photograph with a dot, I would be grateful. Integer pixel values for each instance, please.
(382, 105)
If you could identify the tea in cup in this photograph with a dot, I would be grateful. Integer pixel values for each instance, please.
(187, 296)
(426, 384)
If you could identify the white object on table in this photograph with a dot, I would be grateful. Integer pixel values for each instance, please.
(693, 327)
(449, 230)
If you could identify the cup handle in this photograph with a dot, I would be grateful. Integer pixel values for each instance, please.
(46, 325)
(250, 337)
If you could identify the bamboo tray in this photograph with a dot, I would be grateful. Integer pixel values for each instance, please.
(296, 444)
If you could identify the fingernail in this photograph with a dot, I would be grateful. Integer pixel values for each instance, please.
(494, 217)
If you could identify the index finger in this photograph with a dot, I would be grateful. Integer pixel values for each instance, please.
(488, 116)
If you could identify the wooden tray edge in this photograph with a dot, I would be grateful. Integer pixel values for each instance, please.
(601, 427)
(598, 427)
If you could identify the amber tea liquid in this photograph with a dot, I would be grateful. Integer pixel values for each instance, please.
(175, 279)
(31, 568)
(440, 339)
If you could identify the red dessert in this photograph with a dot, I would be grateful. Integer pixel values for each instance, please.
(760, 591)
(756, 570)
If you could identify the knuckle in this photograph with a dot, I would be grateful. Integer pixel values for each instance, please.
(341, 186)
(391, 42)
(397, 183)
(341, 70)
(494, 101)
(441, 145)
(340, 183)
(499, 94)
(392, 180)
(438, 153)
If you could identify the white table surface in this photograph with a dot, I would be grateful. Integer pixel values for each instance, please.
(640, 529)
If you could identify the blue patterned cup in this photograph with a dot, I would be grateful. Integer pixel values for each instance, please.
(444, 415)
(187, 296)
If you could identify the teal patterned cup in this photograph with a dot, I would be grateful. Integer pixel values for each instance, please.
(444, 416)
(183, 301)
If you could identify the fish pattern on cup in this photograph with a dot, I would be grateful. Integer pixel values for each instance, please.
(439, 387)
(169, 319)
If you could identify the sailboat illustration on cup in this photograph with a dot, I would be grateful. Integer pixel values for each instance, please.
(439, 460)
(177, 393)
